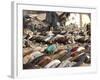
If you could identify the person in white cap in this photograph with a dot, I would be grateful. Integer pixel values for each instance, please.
(53, 64)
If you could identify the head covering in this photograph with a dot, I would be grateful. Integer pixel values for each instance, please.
(80, 49)
(53, 64)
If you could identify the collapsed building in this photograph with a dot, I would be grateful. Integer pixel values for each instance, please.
(56, 39)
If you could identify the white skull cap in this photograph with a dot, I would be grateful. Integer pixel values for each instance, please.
(80, 49)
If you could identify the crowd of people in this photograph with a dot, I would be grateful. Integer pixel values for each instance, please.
(49, 43)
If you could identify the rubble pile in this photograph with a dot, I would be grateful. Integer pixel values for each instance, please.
(49, 43)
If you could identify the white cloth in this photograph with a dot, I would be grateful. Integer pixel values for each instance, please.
(53, 64)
